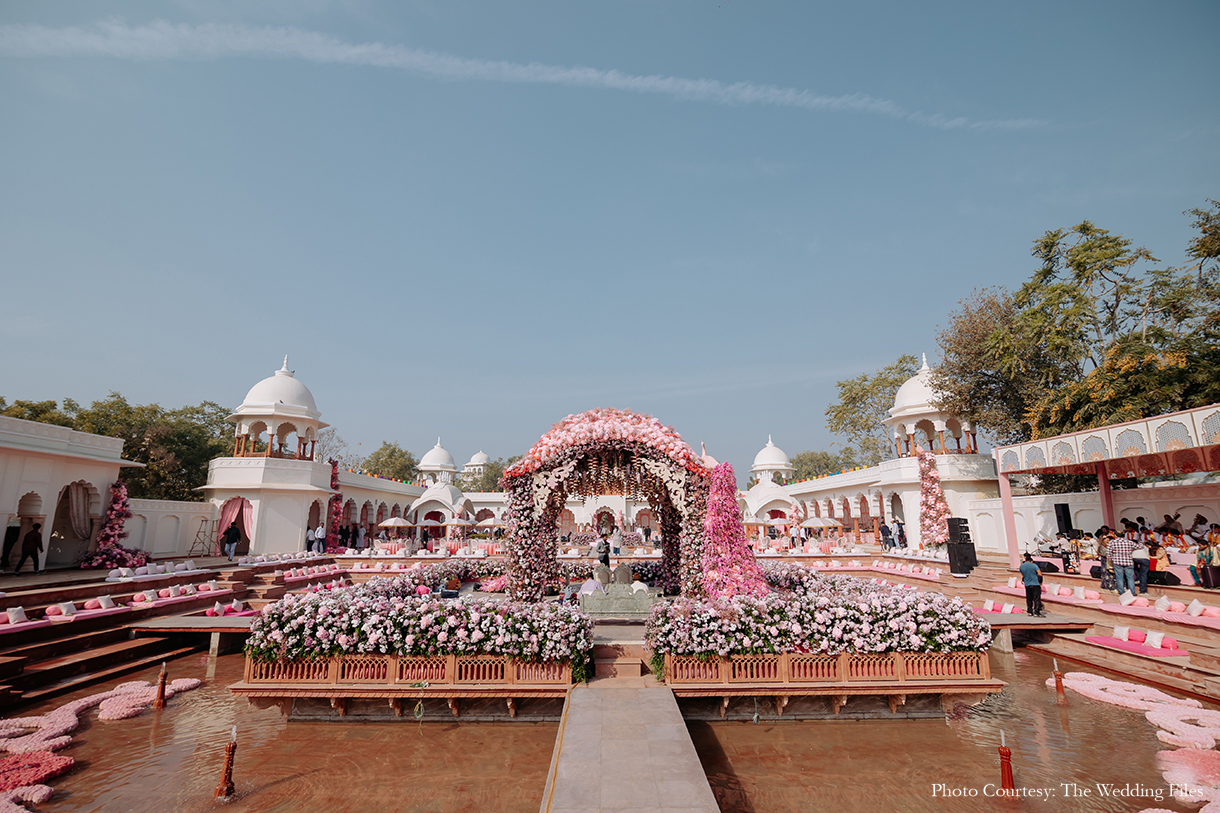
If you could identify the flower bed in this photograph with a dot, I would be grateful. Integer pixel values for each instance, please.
(817, 614)
(384, 616)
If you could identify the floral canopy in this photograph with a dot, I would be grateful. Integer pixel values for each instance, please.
(603, 452)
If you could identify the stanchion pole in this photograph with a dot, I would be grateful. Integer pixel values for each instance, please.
(1005, 765)
(225, 789)
(160, 701)
(1061, 695)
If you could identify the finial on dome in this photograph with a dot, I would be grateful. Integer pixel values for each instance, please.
(438, 441)
(285, 367)
(925, 363)
(769, 443)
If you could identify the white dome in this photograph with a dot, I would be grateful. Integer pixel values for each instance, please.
(479, 459)
(771, 458)
(437, 459)
(916, 393)
(281, 388)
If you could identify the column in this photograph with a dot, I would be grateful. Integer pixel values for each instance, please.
(1010, 521)
(1107, 500)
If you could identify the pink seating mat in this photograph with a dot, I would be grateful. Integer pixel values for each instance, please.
(24, 625)
(1138, 649)
(1020, 592)
(1164, 615)
(59, 619)
(161, 602)
(1015, 610)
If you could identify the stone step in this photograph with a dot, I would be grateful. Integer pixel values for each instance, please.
(85, 679)
(55, 670)
(267, 592)
(1126, 665)
(619, 650)
(619, 667)
(67, 644)
(12, 665)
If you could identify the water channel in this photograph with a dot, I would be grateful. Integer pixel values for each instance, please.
(171, 761)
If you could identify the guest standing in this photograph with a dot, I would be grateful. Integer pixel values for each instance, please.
(31, 546)
(1031, 577)
(231, 537)
(1119, 553)
(1139, 557)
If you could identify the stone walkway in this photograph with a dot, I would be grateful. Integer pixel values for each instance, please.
(624, 747)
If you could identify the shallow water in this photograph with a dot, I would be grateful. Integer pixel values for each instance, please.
(170, 761)
(895, 765)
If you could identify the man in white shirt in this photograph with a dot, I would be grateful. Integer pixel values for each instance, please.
(319, 536)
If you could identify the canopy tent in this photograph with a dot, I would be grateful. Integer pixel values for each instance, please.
(488, 523)
(394, 522)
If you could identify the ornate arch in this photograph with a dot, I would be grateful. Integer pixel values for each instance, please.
(605, 451)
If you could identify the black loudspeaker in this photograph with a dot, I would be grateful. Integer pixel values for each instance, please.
(959, 531)
(1063, 516)
(962, 558)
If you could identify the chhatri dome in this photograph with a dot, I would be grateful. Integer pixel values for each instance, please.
(438, 464)
(280, 406)
(771, 461)
(917, 421)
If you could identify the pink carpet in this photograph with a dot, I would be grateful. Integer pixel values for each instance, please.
(1138, 649)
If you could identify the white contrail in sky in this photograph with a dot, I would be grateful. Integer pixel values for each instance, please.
(163, 40)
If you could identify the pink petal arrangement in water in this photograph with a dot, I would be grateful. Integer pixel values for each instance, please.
(1116, 692)
(1178, 728)
(1195, 774)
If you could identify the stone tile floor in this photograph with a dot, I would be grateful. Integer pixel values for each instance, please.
(626, 748)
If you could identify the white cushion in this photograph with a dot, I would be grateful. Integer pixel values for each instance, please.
(1012, 582)
(235, 606)
(218, 608)
(175, 591)
(190, 565)
(1007, 608)
(1126, 599)
(67, 608)
(106, 601)
(188, 589)
(1162, 603)
(16, 615)
(212, 585)
(1196, 608)
(1121, 633)
(1078, 592)
(1154, 639)
(988, 605)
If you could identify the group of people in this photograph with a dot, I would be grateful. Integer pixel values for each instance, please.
(1139, 550)
(892, 538)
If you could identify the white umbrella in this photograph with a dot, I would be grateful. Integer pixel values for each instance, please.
(487, 523)
(779, 522)
(459, 522)
(431, 523)
(394, 522)
(814, 522)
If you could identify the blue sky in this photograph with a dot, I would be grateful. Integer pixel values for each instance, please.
(471, 219)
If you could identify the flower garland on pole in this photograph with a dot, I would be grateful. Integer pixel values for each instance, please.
(933, 510)
(336, 509)
(729, 567)
(110, 554)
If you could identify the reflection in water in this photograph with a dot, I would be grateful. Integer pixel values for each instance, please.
(893, 765)
(172, 761)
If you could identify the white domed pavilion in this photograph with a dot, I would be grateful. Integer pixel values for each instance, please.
(917, 421)
(437, 465)
(281, 407)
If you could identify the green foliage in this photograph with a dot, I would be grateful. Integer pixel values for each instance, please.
(1096, 336)
(815, 464)
(864, 402)
(175, 445)
(393, 461)
(489, 480)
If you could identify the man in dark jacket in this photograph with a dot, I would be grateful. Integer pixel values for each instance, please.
(31, 546)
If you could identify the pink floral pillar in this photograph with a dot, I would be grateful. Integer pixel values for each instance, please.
(729, 567)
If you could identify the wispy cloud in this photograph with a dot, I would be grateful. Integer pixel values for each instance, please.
(163, 40)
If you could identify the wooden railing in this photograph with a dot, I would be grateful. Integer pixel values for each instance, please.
(468, 671)
(796, 668)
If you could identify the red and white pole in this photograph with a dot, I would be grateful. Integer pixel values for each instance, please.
(1005, 765)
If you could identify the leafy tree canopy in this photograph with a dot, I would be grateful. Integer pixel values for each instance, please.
(175, 445)
(815, 464)
(393, 461)
(864, 402)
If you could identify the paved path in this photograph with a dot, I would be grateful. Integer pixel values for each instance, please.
(623, 746)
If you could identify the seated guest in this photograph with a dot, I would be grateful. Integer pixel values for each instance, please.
(1204, 556)
(1158, 557)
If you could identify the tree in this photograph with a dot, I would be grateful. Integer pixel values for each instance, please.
(816, 464)
(489, 480)
(393, 461)
(984, 377)
(864, 402)
(330, 444)
(175, 445)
